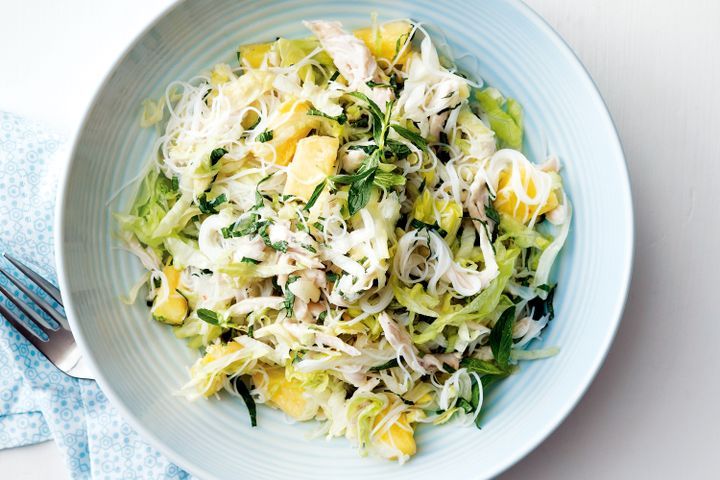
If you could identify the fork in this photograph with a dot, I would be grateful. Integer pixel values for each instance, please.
(60, 347)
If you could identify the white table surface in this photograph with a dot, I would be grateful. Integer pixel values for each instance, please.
(652, 412)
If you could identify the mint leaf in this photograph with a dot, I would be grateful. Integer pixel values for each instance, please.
(389, 364)
(243, 391)
(315, 194)
(481, 367)
(265, 136)
(341, 119)
(500, 338)
(208, 316)
(216, 155)
(415, 138)
(210, 206)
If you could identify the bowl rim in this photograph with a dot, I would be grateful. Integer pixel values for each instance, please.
(532, 441)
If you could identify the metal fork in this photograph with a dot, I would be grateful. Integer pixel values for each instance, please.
(60, 347)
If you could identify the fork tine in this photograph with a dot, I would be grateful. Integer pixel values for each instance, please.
(29, 312)
(20, 327)
(44, 305)
(49, 288)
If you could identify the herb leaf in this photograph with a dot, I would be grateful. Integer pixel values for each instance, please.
(243, 391)
(491, 213)
(387, 179)
(315, 194)
(289, 296)
(415, 138)
(206, 206)
(280, 246)
(372, 84)
(399, 149)
(465, 405)
(389, 364)
(341, 119)
(359, 193)
(375, 111)
(365, 148)
(249, 260)
(208, 316)
(361, 183)
(216, 155)
(248, 226)
(380, 120)
(540, 307)
(265, 136)
(500, 338)
(481, 367)
(415, 223)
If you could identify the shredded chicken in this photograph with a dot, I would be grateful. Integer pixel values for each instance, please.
(401, 342)
(350, 55)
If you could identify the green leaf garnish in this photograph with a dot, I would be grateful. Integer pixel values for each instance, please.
(243, 391)
(249, 260)
(540, 307)
(315, 194)
(280, 246)
(372, 84)
(501, 339)
(389, 364)
(388, 180)
(341, 119)
(415, 223)
(481, 367)
(216, 155)
(399, 149)
(208, 316)
(289, 296)
(210, 206)
(265, 136)
(415, 138)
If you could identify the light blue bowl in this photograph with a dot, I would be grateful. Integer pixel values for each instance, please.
(139, 362)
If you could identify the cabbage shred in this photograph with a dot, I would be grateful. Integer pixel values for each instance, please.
(349, 227)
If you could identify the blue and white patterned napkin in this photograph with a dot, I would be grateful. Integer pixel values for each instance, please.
(37, 401)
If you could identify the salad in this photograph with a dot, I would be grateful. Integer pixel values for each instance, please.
(346, 229)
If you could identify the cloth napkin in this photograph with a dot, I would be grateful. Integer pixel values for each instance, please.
(37, 401)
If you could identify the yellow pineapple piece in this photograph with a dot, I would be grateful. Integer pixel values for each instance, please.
(246, 89)
(213, 381)
(400, 435)
(172, 309)
(386, 44)
(254, 53)
(287, 395)
(314, 160)
(507, 201)
(289, 124)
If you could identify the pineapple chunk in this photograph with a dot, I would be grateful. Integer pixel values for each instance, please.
(399, 436)
(246, 89)
(287, 395)
(290, 124)
(314, 160)
(173, 309)
(215, 380)
(391, 37)
(254, 53)
(507, 201)
(221, 73)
